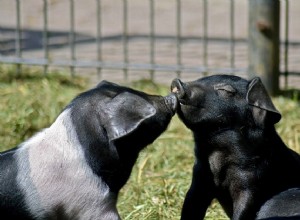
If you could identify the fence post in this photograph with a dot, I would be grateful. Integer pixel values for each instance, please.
(264, 42)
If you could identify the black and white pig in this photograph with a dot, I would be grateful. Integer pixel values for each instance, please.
(75, 168)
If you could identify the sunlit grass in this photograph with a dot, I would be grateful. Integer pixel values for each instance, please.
(31, 101)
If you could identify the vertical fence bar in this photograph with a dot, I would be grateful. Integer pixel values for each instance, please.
(264, 42)
(232, 43)
(18, 36)
(205, 37)
(99, 36)
(72, 37)
(45, 37)
(178, 35)
(152, 38)
(286, 44)
(125, 37)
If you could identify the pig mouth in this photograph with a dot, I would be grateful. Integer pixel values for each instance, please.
(183, 103)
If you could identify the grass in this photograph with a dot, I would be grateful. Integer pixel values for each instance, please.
(162, 174)
(31, 101)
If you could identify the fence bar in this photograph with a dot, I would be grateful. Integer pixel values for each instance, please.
(45, 36)
(99, 36)
(152, 37)
(264, 42)
(18, 36)
(125, 37)
(178, 35)
(205, 35)
(120, 66)
(232, 43)
(286, 44)
(72, 36)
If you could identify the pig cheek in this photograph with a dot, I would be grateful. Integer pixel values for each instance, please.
(189, 114)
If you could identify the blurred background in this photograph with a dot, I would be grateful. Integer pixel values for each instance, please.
(122, 39)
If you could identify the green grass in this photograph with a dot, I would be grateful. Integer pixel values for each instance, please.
(31, 101)
(162, 174)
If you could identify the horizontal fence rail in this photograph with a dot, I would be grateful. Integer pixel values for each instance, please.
(124, 40)
(120, 66)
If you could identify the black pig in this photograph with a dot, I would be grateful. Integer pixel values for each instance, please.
(240, 159)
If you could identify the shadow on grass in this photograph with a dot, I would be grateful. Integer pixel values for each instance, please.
(8, 74)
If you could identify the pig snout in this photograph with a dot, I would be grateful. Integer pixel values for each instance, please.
(172, 102)
(178, 88)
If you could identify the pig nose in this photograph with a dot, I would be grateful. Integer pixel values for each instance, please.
(172, 102)
(178, 88)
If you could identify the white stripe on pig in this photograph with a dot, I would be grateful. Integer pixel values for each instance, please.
(56, 179)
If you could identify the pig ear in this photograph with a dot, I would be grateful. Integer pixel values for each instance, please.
(125, 113)
(263, 109)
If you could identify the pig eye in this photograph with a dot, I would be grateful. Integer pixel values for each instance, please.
(224, 89)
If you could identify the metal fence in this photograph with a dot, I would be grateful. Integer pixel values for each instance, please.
(207, 52)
